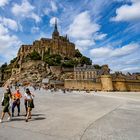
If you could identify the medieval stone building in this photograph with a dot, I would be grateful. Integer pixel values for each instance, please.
(90, 72)
(57, 45)
(85, 72)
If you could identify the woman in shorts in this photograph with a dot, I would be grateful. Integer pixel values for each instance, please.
(5, 103)
(30, 104)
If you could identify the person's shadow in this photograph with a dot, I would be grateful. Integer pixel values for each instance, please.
(35, 117)
(38, 118)
(38, 115)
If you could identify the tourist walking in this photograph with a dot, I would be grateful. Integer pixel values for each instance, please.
(5, 103)
(25, 100)
(29, 104)
(16, 102)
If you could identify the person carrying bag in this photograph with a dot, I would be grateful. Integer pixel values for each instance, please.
(30, 103)
(5, 103)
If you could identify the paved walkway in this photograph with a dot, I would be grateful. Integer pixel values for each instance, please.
(78, 116)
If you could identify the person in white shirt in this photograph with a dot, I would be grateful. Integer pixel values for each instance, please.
(29, 104)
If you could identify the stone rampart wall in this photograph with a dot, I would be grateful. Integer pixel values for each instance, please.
(105, 85)
(133, 85)
(82, 85)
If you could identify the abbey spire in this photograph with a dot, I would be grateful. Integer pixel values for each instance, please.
(55, 27)
(55, 32)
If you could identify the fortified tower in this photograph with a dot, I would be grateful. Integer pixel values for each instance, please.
(106, 82)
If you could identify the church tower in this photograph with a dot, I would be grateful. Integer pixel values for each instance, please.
(55, 32)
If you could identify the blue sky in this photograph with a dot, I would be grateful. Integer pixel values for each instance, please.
(107, 31)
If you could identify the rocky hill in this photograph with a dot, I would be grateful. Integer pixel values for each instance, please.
(54, 58)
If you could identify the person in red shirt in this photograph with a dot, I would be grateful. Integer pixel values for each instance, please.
(16, 102)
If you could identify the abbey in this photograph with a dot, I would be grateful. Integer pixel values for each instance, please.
(57, 45)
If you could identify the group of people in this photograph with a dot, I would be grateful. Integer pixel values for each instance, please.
(15, 98)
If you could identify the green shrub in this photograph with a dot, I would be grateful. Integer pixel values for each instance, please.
(13, 60)
(3, 67)
(85, 60)
(78, 54)
(70, 63)
(35, 56)
(53, 60)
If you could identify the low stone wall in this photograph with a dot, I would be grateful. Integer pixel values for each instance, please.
(126, 85)
(133, 85)
(82, 85)
(119, 85)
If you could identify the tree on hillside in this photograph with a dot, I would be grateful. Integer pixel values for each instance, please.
(35, 56)
(57, 58)
(70, 63)
(78, 54)
(3, 67)
(47, 53)
(85, 60)
(66, 58)
(53, 60)
(97, 66)
(13, 60)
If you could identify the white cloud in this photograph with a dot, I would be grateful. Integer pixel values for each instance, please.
(25, 10)
(128, 12)
(119, 59)
(135, 1)
(53, 6)
(9, 23)
(100, 52)
(52, 21)
(35, 17)
(22, 9)
(131, 69)
(84, 44)
(3, 2)
(82, 27)
(3, 30)
(84, 31)
(122, 1)
(99, 36)
(35, 29)
(125, 50)
(47, 11)
(8, 44)
(114, 52)
(133, 61)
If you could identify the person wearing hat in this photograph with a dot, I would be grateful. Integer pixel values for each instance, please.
(16, 102)
(5, 103)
